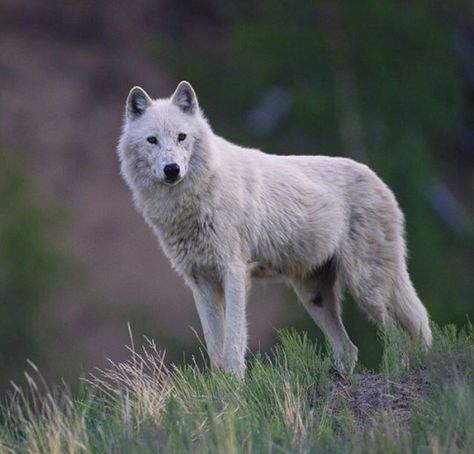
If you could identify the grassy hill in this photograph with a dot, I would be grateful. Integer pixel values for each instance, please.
(290, 401)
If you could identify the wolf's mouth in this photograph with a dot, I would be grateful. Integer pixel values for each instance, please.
(172, 181)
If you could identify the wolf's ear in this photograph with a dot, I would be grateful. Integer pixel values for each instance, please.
(185, 98)
(137, 102)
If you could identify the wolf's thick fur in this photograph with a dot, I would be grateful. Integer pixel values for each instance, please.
(322, 224)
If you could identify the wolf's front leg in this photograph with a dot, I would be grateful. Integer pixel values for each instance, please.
(209, 302)
(235, 338)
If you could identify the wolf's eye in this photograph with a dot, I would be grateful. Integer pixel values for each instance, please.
(181, 136)
(152, 139)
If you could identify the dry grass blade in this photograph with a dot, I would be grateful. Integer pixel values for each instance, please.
(142, 384)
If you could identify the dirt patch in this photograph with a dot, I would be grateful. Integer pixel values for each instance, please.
(372, 396)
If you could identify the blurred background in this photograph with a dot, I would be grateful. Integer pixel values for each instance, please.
(389, 83)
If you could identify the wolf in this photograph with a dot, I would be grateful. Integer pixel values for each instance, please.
(225, 214)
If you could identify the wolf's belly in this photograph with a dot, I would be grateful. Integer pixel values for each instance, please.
(265, 271)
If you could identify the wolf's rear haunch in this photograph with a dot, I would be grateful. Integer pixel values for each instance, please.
(225, 214)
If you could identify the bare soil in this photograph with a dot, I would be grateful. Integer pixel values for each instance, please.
(372, 397)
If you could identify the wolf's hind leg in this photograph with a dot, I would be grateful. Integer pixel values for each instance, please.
(208, 297)
(320, 298)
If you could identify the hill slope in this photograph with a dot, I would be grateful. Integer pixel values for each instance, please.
(292, 401)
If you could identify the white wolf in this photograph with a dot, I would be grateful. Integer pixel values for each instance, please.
(224, 214)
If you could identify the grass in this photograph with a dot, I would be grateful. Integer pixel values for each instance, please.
(290, 401)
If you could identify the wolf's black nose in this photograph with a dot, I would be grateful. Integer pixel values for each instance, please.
(171, 171)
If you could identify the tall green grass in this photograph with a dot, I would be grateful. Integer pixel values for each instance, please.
(286, 403)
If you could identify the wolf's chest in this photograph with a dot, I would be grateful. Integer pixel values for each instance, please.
(190, 242)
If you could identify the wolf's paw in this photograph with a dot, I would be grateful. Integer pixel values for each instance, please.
(345, 361)
(236, 368)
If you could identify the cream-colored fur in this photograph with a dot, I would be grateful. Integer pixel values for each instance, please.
(323, 224)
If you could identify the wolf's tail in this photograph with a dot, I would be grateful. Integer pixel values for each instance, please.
(409, 311)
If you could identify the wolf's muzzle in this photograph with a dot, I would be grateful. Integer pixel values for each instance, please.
(171, 172)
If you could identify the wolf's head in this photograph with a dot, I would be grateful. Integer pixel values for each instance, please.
(163, 139)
